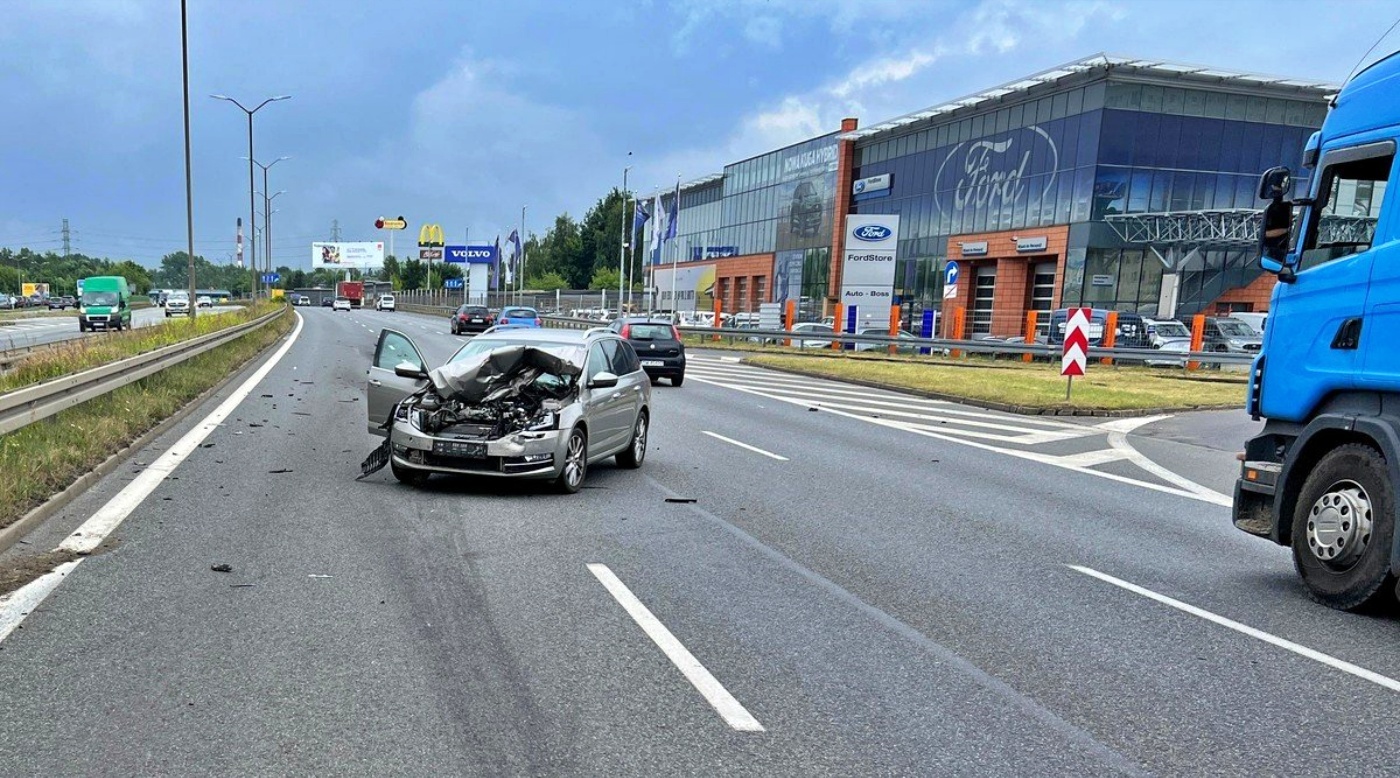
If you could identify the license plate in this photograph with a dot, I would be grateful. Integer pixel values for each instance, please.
(477, 321)
(652, 363)
(459, 448)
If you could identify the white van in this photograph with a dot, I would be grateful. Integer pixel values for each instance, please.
(1254, 320)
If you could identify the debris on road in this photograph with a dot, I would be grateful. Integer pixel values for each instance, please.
(682, 499)
(239, 586)
(280, 470)
(221, 568)
(206, 445)
(376, 460)
(314, 575)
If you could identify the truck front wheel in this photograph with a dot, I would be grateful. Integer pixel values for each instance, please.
(1343, 528)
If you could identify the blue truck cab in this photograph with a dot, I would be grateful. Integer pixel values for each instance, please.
(1322, 475)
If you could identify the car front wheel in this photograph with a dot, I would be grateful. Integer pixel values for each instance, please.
(575, 469)
(636, 451)
(408, 475)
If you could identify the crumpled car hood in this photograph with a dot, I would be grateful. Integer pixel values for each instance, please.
(474, 379)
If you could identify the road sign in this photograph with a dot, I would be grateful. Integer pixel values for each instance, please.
(271, 278)
(950, 274)
(1076, 349)
(453, 283)
(390, 224)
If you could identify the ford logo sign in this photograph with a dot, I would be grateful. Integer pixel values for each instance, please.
(873, 232)
(860, 186)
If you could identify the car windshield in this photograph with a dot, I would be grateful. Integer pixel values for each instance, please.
(1172, 329)
(518, 313)
(650, 332)
(99, 298)
(1236, 329)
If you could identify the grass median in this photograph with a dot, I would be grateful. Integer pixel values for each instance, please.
(43, 458)
(101, 348)
(1032, 387)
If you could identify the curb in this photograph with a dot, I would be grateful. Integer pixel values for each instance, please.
(1023, 410)
(12, 534)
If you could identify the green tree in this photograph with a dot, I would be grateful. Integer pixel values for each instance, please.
(600, 234)
(390, 271)
(605, 278)
(413, 274)
(547, 282)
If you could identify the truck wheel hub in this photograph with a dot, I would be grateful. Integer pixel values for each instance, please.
(1339, 524)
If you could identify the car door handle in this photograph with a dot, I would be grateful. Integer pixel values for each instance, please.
(375, 382)
(616, 395)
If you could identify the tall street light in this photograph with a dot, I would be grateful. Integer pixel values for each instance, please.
(252, 206)
(189, 183)
(267, 226)
(622, 241)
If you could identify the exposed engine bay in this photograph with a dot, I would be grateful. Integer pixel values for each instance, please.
(492, 395)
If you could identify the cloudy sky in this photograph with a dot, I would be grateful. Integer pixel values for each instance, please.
(462, 111)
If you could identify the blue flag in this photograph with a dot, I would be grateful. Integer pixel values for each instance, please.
(639, 220)
(496, 265)
(514, 263)
(673, 215)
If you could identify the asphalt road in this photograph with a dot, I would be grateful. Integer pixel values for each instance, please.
(885, 586)
(42, 330)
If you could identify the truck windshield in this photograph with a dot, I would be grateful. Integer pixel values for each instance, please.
(99, 298)
(1346, 222)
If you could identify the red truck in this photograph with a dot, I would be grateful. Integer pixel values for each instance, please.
(355, 290)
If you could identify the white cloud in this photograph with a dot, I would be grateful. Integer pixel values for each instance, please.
(764, 30)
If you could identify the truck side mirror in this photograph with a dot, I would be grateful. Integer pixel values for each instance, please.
(1276, 228)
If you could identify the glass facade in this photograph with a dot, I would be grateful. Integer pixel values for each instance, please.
(1075, 157)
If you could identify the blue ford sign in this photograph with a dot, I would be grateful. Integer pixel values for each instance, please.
(481, 254)
(873, 232)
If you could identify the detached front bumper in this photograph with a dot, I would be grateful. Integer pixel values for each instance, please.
(535, 454)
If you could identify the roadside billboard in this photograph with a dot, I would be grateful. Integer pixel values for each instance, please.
(867, 267)
(693, 285)
(29, 290)
(360, 256)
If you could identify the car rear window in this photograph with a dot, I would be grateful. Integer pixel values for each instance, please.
(473, 310)
(519, 313)
(650, 332)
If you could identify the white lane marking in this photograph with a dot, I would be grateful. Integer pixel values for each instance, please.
(21, 602)
(96, 529)
(1131, 423)
(1092, 458)
(1119, 442)
(1244, 629)
(754, 449)
(733, 713)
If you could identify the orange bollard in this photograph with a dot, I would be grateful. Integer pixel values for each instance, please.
(719, 315)
(1110, 335)
(1031, 317)
(838, 325)
(1198, 338)
(789, 319)
(959, 319)
(894, 329)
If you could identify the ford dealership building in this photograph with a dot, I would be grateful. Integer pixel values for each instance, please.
(1112, 182)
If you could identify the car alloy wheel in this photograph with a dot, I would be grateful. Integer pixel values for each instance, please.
(575, 462)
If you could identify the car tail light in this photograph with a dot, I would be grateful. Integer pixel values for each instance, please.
(626, 331)
(489, 319)
(504, 320)
(461, 317)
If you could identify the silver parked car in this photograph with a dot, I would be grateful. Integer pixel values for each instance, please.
(513, 403)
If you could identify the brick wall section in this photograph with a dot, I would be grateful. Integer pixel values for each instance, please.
(845, 177)
(1013, 273)
(1256, 293)
(750, 267)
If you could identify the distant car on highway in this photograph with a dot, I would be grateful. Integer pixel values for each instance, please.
(341, 304)
(177, 304)
(7, 302)
(658, 344)
(204, 301)
(60, 303)
(902, 348)
(470, 318)
(811, 326)
(384, 303)
(518, 403)
(327, 302)
(515, 314)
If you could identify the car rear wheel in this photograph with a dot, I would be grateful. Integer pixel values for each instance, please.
(636, 451)
(677, 379)
(575, 469)
(408, 475)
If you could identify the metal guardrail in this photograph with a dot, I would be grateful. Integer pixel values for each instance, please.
(935, 345)
(29, 404)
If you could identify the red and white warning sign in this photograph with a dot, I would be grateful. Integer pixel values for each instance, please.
(1076, 353)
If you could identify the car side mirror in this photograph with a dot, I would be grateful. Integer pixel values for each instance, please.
(410, 370)
(603, 381)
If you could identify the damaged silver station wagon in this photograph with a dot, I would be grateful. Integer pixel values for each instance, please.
(514, 403)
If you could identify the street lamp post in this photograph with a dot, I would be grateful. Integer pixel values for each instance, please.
(622, 242)
(267, 203)
(252, 206)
